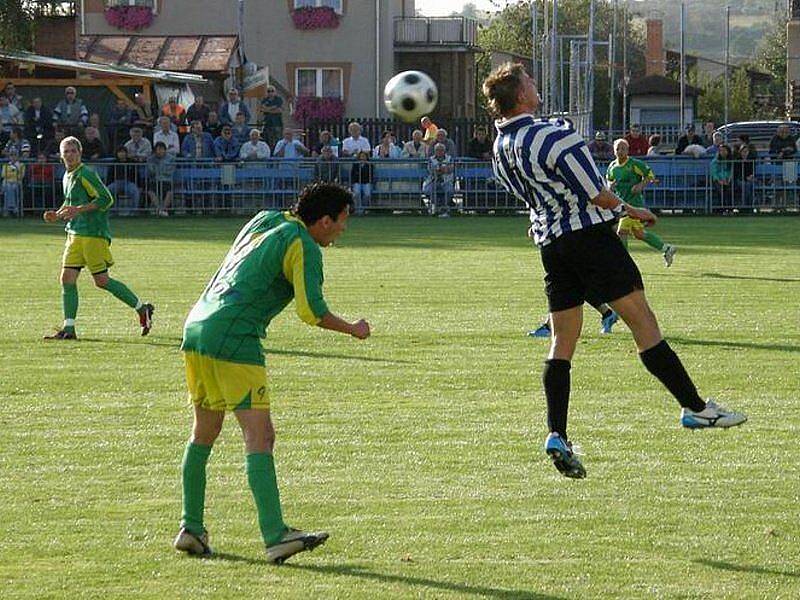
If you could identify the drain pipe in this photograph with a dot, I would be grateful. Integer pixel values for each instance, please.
(377, 58)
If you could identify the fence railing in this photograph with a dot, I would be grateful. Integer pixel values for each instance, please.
(438, 31)
(203, 187)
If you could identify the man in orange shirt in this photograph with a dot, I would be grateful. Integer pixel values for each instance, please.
(176, 114)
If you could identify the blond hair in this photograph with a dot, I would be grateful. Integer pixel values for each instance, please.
(71, 141)
(502, 87)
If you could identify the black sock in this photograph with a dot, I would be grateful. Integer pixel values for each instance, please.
(556, 389)
(662, 362)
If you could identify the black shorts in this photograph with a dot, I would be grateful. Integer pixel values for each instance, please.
(591, 265)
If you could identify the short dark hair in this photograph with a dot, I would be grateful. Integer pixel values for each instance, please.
(160, 145)
(318, 200)
(502, 87)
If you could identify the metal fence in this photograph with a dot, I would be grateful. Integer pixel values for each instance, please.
(207, 187)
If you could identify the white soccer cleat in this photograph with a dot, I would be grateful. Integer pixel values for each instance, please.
(669, 254)
(188, 542)
(713, 415)
(292, 542)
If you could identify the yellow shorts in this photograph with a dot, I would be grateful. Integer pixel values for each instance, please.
(630, 225)
(221, 385)
(91, 252)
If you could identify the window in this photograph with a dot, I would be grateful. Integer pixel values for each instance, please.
(326, 83)
(336, 5)
(148, 3)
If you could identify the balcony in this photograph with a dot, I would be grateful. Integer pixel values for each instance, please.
(435, 32)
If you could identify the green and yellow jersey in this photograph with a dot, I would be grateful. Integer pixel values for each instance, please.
(626, 175)
(83, 186)
(273, 259)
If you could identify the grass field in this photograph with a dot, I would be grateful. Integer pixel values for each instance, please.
(419, 449)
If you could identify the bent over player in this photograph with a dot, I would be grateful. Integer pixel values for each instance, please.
(85, 209)
(547, 165)
(275, 257)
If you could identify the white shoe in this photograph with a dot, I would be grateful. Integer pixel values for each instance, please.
(669, 254)
(188, 542)
(292, 542)
(713, 415)
(163, 213)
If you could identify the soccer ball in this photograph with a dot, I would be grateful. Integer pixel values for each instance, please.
(410, 95)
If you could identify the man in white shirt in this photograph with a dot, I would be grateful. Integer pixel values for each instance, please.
(139, 148)
(288, 147)
(167, 136)
(254, 149)
(356, 143)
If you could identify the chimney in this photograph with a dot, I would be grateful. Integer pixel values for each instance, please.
(654, 57)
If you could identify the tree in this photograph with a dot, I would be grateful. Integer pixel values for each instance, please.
(16, 25)
(711, 103)
(772, 59)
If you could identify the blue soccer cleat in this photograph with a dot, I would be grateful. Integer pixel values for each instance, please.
(713, 415)
(564, 459)
(608, 322)
(543, 331)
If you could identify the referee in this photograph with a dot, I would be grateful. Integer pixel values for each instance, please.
(546, 164)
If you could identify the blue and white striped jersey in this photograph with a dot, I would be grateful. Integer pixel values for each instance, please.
(547, 165)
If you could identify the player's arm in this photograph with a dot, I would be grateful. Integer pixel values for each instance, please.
(304, 271)
(646, 176)
(609, 200)
(96, 190)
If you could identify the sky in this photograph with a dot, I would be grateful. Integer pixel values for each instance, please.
(436, 8)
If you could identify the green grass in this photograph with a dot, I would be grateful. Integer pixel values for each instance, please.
(419, 449)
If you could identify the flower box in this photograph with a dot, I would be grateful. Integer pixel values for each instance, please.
(308, 108)
(129, 18)
(315, 17)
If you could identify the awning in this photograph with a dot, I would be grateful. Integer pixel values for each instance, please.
(205, 53)
(125, 70)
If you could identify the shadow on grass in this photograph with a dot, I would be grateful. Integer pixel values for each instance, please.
(734, 345)
(308, 354)
(749, 278)
(726, 566)
(168, 342)
(430, 584)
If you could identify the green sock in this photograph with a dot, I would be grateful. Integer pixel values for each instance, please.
(624, 239)
(69, 299)
(652, 240)
(193, 472)
(264, 485)
(122, 292)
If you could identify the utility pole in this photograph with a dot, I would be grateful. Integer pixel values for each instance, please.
(534, 42)
(590, 69)
(727, 62)
(625, 68)
(612, 61)
(683, 64)
(554, 60)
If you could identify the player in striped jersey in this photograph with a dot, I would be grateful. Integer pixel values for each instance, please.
(547, 165)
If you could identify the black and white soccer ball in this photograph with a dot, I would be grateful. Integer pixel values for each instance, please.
(410, 95)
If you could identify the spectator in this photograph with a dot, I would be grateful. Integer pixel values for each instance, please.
(138, 147)
(356, 143)
(600, 149)
(716, 141)
(362, 176)
(10, 117)
(387, 148)
(708, 134)
(240, 128)
(690, 138)
(721, 174)
(53, 147)
(326, 139)
(12, 174)
(213, 126)
(198, 111)
(656, 147)
(416, 148)
(167, 136)
(176, 114)
(449, 144)
(160, 171)
(71, 113)
(783, 144)
(254, 148)
(430, 129)
(327, 167)
(480, 147)
(272, 114)
(637, 143)
(38, 123)
(119, 121)
(744, 139)
(228, 111)
(92, 145)
(439, 184)
(225, 148)
(198, 144)
(18, 143)
(744, 170)
(94, 121)
(10, 92)
(121, 180)
(43, 182)
(142, 112)
(288, 147)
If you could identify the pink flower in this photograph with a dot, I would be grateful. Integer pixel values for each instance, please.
(308, 108)
(315, 17)
(130, 18)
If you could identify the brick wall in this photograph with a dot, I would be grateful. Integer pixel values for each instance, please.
(55, 36)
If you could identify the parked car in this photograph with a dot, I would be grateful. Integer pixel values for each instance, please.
(760, 132)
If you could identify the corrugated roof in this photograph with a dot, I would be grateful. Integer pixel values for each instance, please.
(99, 68)
(208, 53)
